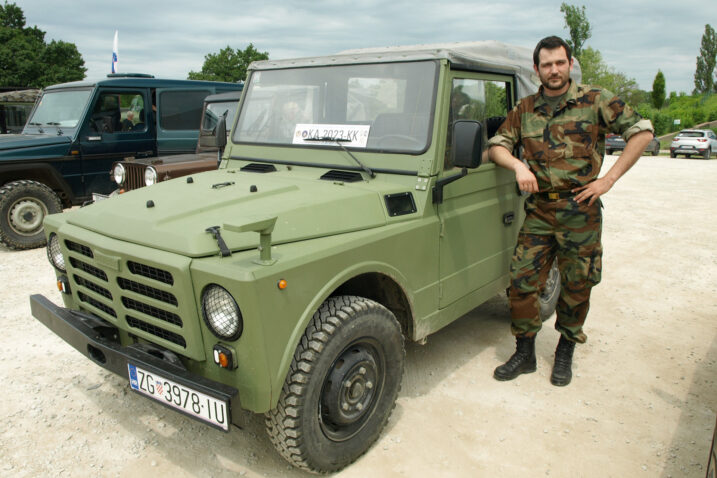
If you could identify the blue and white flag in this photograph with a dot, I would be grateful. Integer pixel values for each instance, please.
(115, 55)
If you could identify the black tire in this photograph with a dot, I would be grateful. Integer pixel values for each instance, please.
(23, 206)
(655, 152)
(608, 152)
(341, 387)
(673, 155)
(548, 299)
(707, 153)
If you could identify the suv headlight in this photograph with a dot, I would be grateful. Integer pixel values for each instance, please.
(221, 313)
(118, 174)
(150, 176)
(54, 254)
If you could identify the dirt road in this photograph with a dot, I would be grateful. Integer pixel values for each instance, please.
(642, 402)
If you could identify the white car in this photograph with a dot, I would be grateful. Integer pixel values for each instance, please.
(694, 141)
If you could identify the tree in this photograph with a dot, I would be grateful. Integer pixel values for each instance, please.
(27, 61)
(658, 90)
(704, 81)
(577, 23)
(596, 72)
(228, 64)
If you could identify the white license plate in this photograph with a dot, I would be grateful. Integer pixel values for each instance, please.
(190, 401)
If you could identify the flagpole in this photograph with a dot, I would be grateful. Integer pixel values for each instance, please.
(115, 54)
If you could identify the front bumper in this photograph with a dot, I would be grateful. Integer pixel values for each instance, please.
(99, 341)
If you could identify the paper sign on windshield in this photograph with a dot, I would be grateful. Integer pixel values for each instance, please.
(329, 134)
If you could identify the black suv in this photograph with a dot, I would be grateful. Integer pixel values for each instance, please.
(75, 133)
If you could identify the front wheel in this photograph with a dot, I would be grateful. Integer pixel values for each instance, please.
(23, 206)
(341, 387)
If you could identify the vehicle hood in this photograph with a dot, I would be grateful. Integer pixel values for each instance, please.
(174, 215)
(14, 142)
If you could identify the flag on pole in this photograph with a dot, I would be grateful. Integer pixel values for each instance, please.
(115, 61)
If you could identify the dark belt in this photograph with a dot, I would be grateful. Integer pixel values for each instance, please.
(554, 195)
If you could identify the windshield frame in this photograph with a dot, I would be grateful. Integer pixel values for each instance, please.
(42, 126)
(428, 108)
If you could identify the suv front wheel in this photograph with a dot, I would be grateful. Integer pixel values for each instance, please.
(23, 206)
(341, 387)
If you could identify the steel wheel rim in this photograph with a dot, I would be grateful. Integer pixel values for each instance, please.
(351, 390)
(25, 216)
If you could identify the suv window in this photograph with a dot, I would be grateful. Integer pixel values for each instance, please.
(181, 110)
(116, 112)
(60, 108)
(480, 100)
(389, 103)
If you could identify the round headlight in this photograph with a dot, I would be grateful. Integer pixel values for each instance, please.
(150, 176)
(221, 313)
(118, 174)
(54, 254)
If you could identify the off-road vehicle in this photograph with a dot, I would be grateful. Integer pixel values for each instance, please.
(349, 215)
(75, 133)
(135, 173)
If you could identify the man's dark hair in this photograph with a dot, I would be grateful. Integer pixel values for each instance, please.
(550, 43)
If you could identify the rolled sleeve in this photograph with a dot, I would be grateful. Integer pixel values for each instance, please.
(642, 125)
(500, 140)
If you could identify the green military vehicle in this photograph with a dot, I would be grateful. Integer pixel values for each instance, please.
(349, 215)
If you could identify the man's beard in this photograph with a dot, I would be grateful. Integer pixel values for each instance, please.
(546, 82)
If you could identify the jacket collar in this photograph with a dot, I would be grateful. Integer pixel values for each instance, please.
(570, 98)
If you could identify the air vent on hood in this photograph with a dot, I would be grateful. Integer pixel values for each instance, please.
(345, 176)
(259, 168)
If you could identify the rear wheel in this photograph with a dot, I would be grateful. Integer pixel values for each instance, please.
(341, 387)
(707, 153)
(23, 206)
(548, 299)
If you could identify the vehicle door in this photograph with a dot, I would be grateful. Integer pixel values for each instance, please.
(118, 126)
(179, 113)
(480, 213)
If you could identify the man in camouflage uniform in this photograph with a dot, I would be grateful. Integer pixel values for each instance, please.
(562, 131)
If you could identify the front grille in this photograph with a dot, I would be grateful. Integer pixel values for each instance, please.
(150, 272)
(147, 291)
(135, 323)
(134, 176)
(97, 304)
(82, 282)
(146, 300)
(85, 267)
(155, 312)
(75, 247)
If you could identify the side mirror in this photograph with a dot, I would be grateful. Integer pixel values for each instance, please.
(467, 148)
(217, 138)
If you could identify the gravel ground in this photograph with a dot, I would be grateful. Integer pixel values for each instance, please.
(642, 402)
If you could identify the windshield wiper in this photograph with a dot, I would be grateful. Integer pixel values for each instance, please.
(339, 141)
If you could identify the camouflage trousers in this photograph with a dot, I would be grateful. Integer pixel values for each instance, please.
(570, 232)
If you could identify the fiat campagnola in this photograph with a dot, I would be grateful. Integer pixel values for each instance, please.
(351, 212)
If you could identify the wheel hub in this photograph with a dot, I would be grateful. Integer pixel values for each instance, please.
(349, 392)
(26, 216)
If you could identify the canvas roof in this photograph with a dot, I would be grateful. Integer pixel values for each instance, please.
(480, 55)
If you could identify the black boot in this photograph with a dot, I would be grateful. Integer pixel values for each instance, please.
(562, 368)
(522, 361)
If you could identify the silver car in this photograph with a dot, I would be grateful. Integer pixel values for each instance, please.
(694, 141)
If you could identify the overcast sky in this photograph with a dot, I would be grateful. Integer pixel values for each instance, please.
(170, 38)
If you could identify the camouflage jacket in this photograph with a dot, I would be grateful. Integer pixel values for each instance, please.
(565, 148)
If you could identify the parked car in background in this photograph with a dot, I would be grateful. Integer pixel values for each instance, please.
(136, 173)
(614, 142)
(694, 141)
(77, 130)
(15, 107)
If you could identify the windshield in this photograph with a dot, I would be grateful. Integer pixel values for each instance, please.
(60, 108)
(215, 110)
(383, 106)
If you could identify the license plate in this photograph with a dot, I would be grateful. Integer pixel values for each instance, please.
(188, 400)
